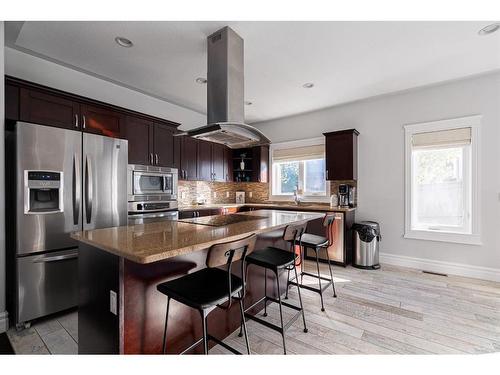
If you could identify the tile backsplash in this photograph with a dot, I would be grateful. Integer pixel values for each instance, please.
(225, 192)
(190, 192)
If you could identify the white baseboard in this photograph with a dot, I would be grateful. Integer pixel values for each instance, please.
(4, 321)
(450, 268)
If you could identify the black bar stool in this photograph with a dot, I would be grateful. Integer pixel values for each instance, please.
(316, 243)
(211, 287)
(274, 259)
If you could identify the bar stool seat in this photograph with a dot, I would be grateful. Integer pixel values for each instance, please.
(313, 240)
(202, 289)
(271, 257)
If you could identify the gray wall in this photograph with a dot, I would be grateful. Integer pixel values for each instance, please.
(3, 317)
(381, 159)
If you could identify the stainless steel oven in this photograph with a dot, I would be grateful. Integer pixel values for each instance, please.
(150, 183)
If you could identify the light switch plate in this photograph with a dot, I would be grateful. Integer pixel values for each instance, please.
(227, 194)
(250, 194)
(113, 302)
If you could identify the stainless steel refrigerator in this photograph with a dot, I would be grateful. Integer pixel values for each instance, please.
(65, 181)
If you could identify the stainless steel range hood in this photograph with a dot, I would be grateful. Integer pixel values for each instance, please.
(225, 94)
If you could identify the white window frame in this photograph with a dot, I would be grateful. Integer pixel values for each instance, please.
(295, 144)
(474, 238)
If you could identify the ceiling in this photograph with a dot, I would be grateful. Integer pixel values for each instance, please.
(346, 61)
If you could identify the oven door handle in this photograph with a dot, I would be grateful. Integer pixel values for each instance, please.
(56, 258)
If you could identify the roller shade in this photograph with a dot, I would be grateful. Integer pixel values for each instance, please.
(459, 136)
(299, 153)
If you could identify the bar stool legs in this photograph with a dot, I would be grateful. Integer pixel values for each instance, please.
(319, 281)
(265, 292)
(244, 325)
(165, 329)
(281, 314)
(331, 274)
(300, 301)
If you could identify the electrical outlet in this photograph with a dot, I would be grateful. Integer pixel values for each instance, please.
(250, 194)
(183, 195)
(113, 302)
(215, 194)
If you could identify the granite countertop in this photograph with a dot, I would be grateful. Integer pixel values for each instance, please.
(304, 206)
(153, 242)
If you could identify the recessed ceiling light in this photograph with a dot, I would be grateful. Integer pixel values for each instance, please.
(201, 80)
(248, 103)
(124, 42)
(308, 85)
(489, 29)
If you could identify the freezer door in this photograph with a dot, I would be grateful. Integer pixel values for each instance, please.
(46, 149)
(104, 173)
(47, 283)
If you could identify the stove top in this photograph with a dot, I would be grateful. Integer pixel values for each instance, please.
(222, 220)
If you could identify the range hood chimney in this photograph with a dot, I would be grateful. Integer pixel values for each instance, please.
(225, 94)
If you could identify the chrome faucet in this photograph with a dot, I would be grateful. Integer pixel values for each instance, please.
(296, 197)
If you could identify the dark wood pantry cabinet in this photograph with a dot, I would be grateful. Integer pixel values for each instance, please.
(341, 155)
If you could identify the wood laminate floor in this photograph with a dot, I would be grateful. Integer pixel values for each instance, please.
(393, 310)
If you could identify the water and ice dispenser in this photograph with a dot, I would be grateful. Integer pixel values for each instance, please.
(43, 192)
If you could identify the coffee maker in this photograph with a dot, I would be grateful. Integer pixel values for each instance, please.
(346, 195)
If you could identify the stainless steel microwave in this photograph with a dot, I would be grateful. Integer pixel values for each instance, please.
(151, 183)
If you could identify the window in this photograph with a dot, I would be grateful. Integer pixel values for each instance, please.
(301, 168)
(441, 180)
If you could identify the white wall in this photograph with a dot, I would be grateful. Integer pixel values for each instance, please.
(44, 72)
(3, 313)
(381, 164)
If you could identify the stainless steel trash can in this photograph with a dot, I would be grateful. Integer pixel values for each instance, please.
(366, 244)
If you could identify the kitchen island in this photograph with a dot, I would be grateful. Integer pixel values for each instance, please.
(120, 310)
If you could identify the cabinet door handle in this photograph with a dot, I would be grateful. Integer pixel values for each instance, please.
(76, 120)
(327, 174)
(84, 122)
(150, 158)
(156, 159)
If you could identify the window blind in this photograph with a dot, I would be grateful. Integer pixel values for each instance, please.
(443, 137)
(299, 153)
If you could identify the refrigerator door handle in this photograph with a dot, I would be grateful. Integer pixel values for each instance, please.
(88, 189)
(55, 258)
(75, 192)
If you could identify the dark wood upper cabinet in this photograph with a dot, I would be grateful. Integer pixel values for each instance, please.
(177, 156)
(218, 162)
(341, 150)
(102, 121)
(11, 102)
(189, 158)
(47, 109)
(204, 161)
(228, 164)
(260, 164)
(163, 145)
(136, 131)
